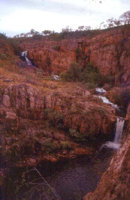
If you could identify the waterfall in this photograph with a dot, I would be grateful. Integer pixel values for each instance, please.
(119, 129)
(24, 54)
(118, 135)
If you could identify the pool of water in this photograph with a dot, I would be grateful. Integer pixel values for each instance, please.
(64, 180)
(73, 179)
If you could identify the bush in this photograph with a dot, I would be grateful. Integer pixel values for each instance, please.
(77, 136)
(91, 74)
(66, 145)
(73, 74)
(50, 146)
(3, 36)
(88, 74)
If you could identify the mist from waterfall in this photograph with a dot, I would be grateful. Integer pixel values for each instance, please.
(118, 135)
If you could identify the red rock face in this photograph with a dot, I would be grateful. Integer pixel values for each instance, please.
(115, 182)
(109, 51)
(27, 102)
(51, 60)
(52, 57)
(38, 122)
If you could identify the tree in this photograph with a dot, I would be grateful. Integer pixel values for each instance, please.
(81, 28)
(110, 23)
(66, 30)
(125, 17)
(3, 36)
(46, 32)
(32, 31)
(87, 28)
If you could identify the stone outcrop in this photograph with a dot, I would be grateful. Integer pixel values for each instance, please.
(52, 60)
(120, 96)
(109, 51)
(35, 123)
(115, 182)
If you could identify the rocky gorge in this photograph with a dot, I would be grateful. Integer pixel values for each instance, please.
(46, 120)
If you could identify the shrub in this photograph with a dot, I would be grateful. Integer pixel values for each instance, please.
(73, 74)
(49, 147)
(89, 74)
(66, 145)
(77, 136)
(3, 36)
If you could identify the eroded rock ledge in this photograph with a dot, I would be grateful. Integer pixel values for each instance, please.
(37, 126)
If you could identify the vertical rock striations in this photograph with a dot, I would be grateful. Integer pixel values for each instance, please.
(115, 182)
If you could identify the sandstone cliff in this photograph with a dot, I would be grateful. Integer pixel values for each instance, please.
(115, 182)
(40, 124)
(108, 50)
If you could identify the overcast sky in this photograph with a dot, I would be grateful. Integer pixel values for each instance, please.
(17, 16)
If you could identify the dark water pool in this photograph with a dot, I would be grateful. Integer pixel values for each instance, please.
(65, 180)
(73, 179)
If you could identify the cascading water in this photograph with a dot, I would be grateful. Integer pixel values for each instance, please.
(119, 129)
(118, 135)
(105, 100)
(24, 54)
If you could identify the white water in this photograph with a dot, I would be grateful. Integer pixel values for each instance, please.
(24, 54)
(100, 90)
(118, 135)
(105, 100)
(56, 77)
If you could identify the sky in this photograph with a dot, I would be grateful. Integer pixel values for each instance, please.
(20, 16)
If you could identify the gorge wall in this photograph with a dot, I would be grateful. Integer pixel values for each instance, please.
(115, 182)
(108, 50)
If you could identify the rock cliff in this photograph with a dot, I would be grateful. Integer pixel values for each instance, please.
(42, 119)
(37, 123)
(115, 182)
(108, 50)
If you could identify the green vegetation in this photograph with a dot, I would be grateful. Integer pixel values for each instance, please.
(77, 136)
(3, 36)
(55, 117)
(88, 74)
(49, 146)
(65, 145)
